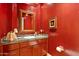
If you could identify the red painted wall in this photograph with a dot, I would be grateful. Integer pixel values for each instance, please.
(5, 19)
(67, 33)
(42, 18)
(14, 16)
(22, 6)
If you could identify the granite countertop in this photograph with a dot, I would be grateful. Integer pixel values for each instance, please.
(23, 38)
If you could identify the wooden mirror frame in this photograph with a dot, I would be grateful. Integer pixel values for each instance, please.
(21, 26)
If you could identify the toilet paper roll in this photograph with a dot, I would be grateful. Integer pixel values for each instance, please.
(59, 48)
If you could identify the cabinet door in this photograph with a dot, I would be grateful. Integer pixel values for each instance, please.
(13, 46)
(23, 44)
(44, 44)
(5, 50)
(26, 51)
(8, 48)
(14, 52)
(38, 51)
(1, 50)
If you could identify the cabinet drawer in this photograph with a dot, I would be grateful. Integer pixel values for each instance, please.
(23, 44)
(13, 46)
(14, 53)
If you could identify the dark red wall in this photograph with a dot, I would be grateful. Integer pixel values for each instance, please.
(67, 33)
(5, 19)
(14, 16)
(67, 26)
(42, 18)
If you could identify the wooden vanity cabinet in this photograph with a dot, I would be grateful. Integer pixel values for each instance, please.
(11, 50)
(37, 50)
(13, 46)
(33, 50)
(43, 44)
(17, 49)
(25, 49)
(14, 53)
(14, 49)
(1, 50)
(23, 44)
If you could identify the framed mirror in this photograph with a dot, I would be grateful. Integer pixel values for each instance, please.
(26, 21)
